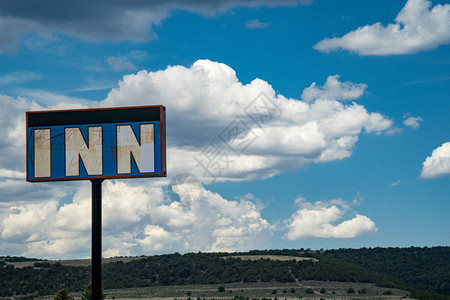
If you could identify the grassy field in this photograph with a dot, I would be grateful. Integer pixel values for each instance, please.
(72, 262)
(289, 291)
(273, 257)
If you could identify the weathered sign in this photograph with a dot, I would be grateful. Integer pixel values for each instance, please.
(102, 143)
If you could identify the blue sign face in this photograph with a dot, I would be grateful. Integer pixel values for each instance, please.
(95, 150)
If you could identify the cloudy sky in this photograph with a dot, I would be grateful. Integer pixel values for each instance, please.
(353, 148)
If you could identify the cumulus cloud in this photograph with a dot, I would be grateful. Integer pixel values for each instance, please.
(103, 20)
(438, 164)
(324, 219)
(334, 89)
(137, 219)
(413, 122)
(418, 27)
(249, 130)
(256, 24)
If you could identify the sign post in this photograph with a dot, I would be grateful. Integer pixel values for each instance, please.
(96, 249)
(96, 144)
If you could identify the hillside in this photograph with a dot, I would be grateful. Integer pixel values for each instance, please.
(415, 269)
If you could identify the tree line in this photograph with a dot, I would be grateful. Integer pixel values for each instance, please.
(423, 271)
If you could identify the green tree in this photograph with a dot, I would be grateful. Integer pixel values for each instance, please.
(221, 289)
(87, 293)
(350, 291)
(63, 294)
(323, 291)
(309, 291)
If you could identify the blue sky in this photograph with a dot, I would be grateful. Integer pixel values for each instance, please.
(357, 153)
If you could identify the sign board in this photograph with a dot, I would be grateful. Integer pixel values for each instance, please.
(106, 143)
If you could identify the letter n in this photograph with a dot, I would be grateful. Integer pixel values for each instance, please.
(143, 153)
(76, 148)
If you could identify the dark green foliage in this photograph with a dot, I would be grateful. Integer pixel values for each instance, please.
(189, 293)
(221, 289)
(63, 294)
(364, 290)
(274, 292)
(323, 291)
(87, 293)
(350, 291)
(388, 292)
(292, 290)
(425, 271)
(309, 291)
(386, 267)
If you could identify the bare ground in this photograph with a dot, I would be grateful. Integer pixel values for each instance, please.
(288, 291)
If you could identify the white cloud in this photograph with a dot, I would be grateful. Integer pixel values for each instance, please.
(53, 220)
(137, 219)
(413, 122)
(256, 24)
(206, 104)
(417, 27)
(324, 219)
(438, 164)
(104, 20)
(334, 89)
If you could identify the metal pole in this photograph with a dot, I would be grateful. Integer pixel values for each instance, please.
(96, 239)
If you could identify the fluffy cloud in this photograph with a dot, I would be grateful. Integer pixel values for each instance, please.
(438, 164)
(137, 219)
(334, 89)
(102, 20)
(252, 133)
(413, 122)
(221, 129)
(324, 220)
(417, 27)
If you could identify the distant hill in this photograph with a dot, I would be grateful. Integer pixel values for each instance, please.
(425, 272)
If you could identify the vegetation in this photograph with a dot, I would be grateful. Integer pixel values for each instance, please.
(63, 294)
(423, 271)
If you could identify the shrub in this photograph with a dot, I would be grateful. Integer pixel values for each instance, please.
(309, 291)
(323, 291)
(63, 294)
(221, 289)
(388, 292)
(274, 292)
(350, 291)
(292, 290)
